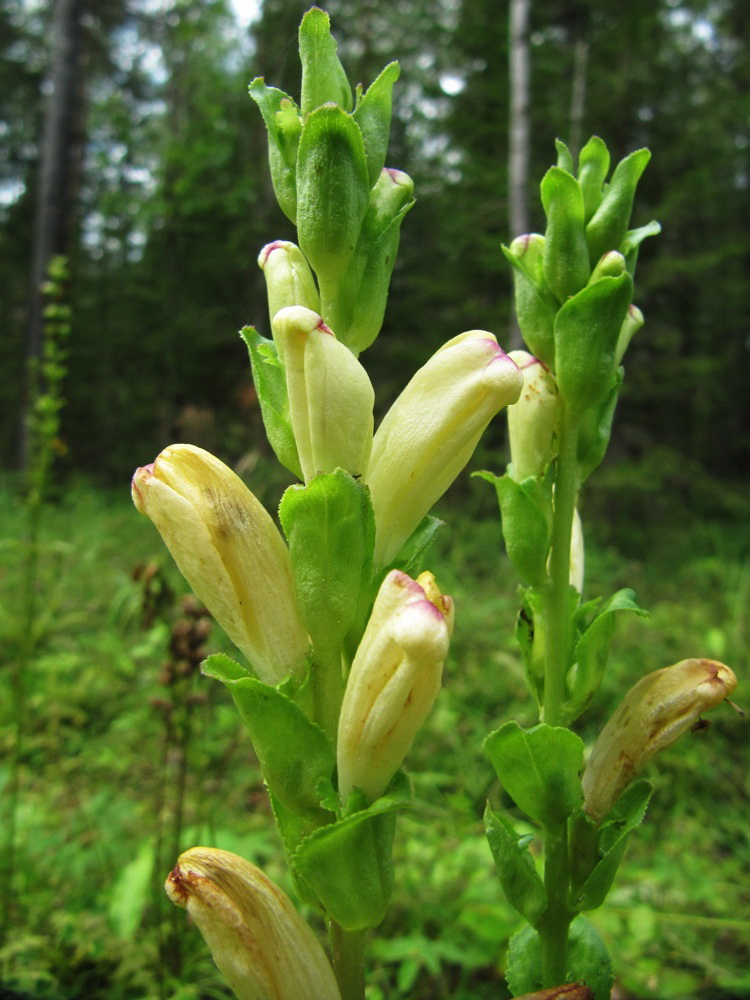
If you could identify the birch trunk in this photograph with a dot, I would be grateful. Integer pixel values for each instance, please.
(518, 146)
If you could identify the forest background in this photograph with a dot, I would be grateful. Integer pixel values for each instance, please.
(164, 201)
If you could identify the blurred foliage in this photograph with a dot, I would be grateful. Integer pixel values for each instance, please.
(89, 918)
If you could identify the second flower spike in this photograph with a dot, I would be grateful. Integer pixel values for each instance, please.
(231, 553)
(431, 431)
(330, 395)
(393, 682)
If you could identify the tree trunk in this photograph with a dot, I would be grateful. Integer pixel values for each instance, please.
(55, 180)
(578, 94)
(518, 128)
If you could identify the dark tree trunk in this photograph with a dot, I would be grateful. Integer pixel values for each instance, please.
(56, 172)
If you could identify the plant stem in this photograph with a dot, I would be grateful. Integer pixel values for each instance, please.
(557, 592)
(557, 620)
(554, 931)
(327, 689)
(348, 957)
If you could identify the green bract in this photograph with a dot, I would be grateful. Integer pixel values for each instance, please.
(363, 290)
(331, 533)
(284, 126)
(323, 78)
(373, 115)
(607, 228)
(586, 332)
(333, 190)
(566, 255)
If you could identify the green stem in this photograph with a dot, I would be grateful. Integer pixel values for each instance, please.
(557, 617)
(554, 930)
(348, 957)
(327, 689)
(329, 303)
(557, 622)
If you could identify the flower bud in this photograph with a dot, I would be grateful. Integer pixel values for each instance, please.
(535, 304)
(230, 552)
(393, 682)
(289, 280)
(330, 395)
(577, 554)
(359, 306)
(260, 943)
(654, 713)
(532, 420)
(633, 322)
(528, 250)
(431, 431)
(610, 265)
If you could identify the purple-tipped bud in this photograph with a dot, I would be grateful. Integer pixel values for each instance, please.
(393, 682)
(431, 431)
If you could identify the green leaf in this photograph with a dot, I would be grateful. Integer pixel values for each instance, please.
(534, 313)
(333, 190)
(526, 530)
(607, 228)
(592, 651)
(566, 257)
(293, 752)
(632, 243)
(281, 117)
(588, 960)
(595, 430)
(270, 384)
(627, 814)
(593, 167)
(411, 553)
(523, 969)
(586, 331)
(323, 77)
(330, 528)
(539, 768)
(564, 156)
(373, 115)
(293, 828)
(348, 864)
(529, 627)
(518, 876)
(131, 892)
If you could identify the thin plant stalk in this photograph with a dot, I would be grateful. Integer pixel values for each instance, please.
(44, 424)
(554, 933)
(348, 960)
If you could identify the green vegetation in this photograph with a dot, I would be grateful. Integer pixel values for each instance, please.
(98, 788)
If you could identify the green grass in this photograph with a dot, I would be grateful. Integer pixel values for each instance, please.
(98, 780)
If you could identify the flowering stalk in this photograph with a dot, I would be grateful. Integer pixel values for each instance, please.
(573, 292)
(346, 657)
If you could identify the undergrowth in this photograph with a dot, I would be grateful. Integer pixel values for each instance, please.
(89, 920)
